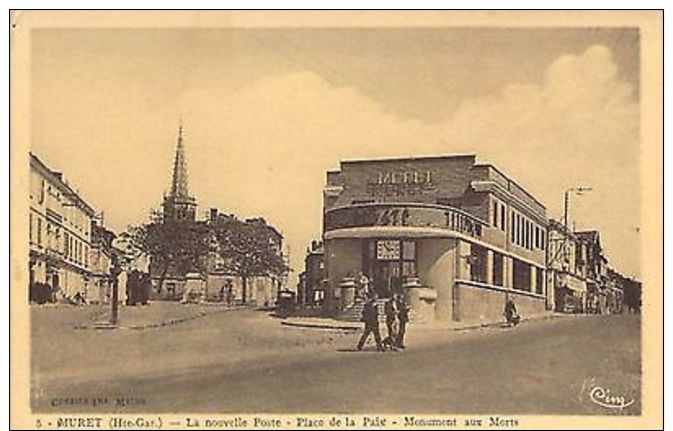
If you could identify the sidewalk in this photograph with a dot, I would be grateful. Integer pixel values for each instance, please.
(154, 315)
(339, 325)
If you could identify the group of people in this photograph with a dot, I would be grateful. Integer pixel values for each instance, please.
(396, 312)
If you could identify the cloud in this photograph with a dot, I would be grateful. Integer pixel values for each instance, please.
(265, 148)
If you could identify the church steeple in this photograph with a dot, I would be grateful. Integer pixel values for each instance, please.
(179, 186)
(178, 204)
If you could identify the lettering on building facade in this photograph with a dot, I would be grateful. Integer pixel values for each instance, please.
(401, 183)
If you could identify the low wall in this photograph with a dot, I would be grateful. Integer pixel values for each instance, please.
(480, 302)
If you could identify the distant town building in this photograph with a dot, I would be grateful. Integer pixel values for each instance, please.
(457, 237)
(566, 270)
(310, 290)
(60, 228)
(100, 260)
(594, 263)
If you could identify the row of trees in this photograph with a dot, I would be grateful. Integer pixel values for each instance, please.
(246, 248)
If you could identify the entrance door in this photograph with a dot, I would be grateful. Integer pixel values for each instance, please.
(388, 262)
(386, 278)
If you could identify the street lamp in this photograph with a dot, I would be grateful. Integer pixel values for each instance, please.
(574, 190)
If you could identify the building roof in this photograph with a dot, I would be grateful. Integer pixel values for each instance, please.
(414, 158)
(58, 180)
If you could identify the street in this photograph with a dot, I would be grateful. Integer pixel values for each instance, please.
(245, 361)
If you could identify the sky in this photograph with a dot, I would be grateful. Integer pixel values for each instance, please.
(267, 112)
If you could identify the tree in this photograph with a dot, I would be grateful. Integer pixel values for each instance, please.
(178, 247)
(248, 248)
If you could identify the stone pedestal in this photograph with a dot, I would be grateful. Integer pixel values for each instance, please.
(347, 292)
(421, 300)
(195, 288)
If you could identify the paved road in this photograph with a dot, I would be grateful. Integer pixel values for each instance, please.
(543, 367)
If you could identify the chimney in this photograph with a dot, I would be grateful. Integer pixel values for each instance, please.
(213, 214)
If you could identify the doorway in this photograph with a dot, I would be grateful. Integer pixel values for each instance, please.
(388, 262)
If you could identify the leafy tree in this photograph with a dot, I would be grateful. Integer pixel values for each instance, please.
(248, 248)
(177, 247)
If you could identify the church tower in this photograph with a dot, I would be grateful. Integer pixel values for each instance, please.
(178, 205)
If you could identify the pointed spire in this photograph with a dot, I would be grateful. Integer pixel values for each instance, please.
(179, 187)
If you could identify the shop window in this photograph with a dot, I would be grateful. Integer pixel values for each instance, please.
(478, 267)
(521, 275)
(539, 281)
(498, 269)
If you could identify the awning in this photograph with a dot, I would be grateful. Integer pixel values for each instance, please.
(574, 283)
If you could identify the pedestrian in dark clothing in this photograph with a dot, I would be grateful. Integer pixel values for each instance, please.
(370, 317)
(392, 323)
(403, 317)
(511, 314)
(147, 288)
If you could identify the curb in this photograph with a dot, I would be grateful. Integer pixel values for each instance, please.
(170, 322)
(320, 326)
(337, 327)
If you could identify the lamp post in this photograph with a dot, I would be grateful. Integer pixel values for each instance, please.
(114, 305)
(574, 190)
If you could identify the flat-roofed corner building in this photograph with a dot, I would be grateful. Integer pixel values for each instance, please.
(457, 237)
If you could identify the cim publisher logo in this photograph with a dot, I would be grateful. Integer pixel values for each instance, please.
(614, 397)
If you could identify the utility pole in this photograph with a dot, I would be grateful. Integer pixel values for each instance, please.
(576, 190)
(114, 303)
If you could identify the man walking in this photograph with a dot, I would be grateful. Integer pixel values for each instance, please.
(403, 317)
(392, 323)
(370, 317)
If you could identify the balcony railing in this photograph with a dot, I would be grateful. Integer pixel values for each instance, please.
(408, 215)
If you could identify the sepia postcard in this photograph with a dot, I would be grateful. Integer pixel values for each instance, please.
(336, 219)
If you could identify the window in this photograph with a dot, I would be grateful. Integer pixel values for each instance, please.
(478, 256)
(39, 231)
(529, 231)
(495, 213)
(539, 281)
(512, 232)
(40, 198)
(408, 258)
(30, 228)
(503, 217)
(521, 275)
(498, 269)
